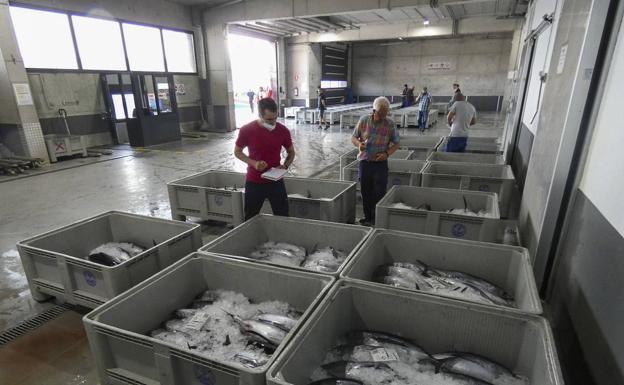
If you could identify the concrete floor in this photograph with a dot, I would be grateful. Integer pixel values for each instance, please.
(135, 182)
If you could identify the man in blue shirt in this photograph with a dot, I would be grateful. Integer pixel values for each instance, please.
(424, 104)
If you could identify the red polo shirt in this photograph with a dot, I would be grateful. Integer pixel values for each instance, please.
(263, 145)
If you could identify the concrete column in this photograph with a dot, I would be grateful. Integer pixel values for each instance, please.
(20, 129)
(219, 75)
(314, 71)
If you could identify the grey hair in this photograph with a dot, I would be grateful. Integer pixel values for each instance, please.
(381, 101)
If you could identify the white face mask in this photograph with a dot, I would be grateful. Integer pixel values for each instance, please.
(268, 126)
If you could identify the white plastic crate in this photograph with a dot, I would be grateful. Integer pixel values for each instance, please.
(474, 177)
(204, 196)
(124, 354)
(329, 200)
(508, 267)
(477, 145)
(523, 343)
(400, 172)
(65, 145)
(55, 262)
(437, 221)
(465, 157)
(240, 242)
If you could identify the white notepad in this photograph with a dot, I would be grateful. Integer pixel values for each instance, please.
(274, 174)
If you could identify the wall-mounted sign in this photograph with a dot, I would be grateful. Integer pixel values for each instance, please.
(439, 66)
(180, 89)
(22, 94)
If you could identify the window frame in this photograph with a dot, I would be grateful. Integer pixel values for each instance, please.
(69, 15)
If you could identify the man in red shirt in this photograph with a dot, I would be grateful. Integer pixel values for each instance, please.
(264, 139)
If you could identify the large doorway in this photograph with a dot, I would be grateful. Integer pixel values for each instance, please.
(254, 74)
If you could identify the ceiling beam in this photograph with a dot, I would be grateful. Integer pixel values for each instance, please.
(265, 30)
(294, 24)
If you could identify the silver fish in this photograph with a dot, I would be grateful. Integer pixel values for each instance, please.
(347, 368)
(265, 334)
(336, 381)
(497, 294)
(281, 321)
(474, 366)
(396, 282)
(356, 353)
(251, 360)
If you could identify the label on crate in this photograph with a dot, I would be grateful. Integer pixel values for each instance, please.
(218, 200)
(484, 187)
(204, 375)
(459, 230)
(89, 278)
(198, 320)
(384, 355)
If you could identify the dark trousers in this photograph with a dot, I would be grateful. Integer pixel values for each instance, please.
(456, 144)
(373, 183)
(422, 119)
(257, 193)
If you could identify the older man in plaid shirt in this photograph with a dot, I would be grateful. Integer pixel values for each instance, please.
(377, 138)
(424, 104)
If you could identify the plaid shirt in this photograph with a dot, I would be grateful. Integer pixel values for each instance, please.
(378, 136)
(424, 102)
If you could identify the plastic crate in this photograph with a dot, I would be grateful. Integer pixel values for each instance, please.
(420, 141)
(400, 172)
(203, 195)
(477, 145)
(522, 342)
(55, 263)
(437, 221)
(347, 158)
(465, 157)
(331, 200)
(65, 145)
(125, 355)
(242, 240)
(472, 176)
(508, 267)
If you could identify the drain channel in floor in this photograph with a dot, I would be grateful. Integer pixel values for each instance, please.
(33, 323)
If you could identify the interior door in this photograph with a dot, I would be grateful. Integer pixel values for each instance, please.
(119, 97)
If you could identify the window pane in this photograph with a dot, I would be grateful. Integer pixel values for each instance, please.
(44, 38)
(118, 107)
(99, 43)
(325, 84)
(130, 105)
(144, 48)
(163, 95)
(180, 51)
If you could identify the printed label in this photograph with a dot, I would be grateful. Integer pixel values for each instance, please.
(484, 187)
(384, 355)
(198, 320)
(458, 230)
(89, 278)
(218, 200)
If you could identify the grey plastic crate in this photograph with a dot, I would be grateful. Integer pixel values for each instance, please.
(330, 200)
(400, 172)
(477, 145)
(508, 267)
(476, 177)
(125, 355)
(241, 241)
(522, 342)
(55, 263)
(438, 221)
(420, 141)
(347, 158)
(466, 157)
(203, 196)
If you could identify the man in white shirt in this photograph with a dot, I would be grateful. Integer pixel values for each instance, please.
(461, 116)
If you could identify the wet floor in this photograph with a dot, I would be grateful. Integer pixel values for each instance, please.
(134, 182)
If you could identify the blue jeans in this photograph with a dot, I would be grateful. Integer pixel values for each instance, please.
(373, 183)
(422, 119)
(456, 144)
(256, 193)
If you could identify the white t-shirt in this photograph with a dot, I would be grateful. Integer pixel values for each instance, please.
(464, 112)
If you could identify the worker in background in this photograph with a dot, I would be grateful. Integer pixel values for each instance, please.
(251, 95)
(461, 116)
(264, 139)
(456, 92)
(410, 96)
(424, 103)
(377, 138)
(404, 96)
(261, 93)
(322, 106)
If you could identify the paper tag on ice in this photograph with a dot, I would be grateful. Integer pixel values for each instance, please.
(384, 355)
(198, 320)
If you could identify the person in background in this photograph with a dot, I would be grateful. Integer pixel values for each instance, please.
(264, 139)
(404, 96)
(456, 92)
(377, 138)
(269, 93)
(410, 96)
(322, 106)
(261, 93)
(424, 103)
(461, 116)
(251, 95)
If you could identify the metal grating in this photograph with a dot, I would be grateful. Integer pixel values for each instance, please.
(33, 323)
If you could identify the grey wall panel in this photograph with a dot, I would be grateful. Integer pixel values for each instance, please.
(78, 125)
(189, 114)
(587, 293)
(298, 102)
